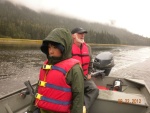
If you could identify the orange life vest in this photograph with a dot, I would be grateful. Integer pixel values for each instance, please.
(54, 93)
(82, 55)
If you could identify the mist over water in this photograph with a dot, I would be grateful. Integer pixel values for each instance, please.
(21, 64)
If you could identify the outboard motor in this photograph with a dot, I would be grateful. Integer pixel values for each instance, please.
(103, 62)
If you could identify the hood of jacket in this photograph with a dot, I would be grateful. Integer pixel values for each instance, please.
(62, 36)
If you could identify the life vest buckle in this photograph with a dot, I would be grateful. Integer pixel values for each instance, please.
(38, 96)
(42, 83)
(47, 67)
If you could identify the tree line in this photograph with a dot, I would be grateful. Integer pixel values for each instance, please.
(21, 22)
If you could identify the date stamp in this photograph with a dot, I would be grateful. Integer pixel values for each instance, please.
(132, 101)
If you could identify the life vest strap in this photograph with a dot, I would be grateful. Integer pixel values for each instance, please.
(48, 67)
(59, 69)
(44, 98)
(81, 55)
(45, 84)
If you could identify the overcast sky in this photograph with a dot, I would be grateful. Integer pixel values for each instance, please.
(133, 15)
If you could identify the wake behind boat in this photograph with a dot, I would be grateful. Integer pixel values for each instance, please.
(116, 95)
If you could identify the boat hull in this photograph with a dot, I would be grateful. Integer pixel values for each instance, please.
(134, 98)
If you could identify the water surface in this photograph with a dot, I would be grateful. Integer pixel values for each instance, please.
(21, 63)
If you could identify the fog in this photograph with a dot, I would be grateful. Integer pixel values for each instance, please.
(131, 15)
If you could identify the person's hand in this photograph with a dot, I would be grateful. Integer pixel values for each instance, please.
(89, 76)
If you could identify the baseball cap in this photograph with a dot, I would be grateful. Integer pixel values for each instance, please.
(78, 30)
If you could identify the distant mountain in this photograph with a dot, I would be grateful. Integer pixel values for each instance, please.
(21, 22)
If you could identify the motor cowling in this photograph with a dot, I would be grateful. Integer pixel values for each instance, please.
(104, 61)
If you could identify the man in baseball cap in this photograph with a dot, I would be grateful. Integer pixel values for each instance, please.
(82, 52)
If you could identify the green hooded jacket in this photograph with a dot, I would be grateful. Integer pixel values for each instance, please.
(75, 77)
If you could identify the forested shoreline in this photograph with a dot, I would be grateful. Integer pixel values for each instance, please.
(19, 22)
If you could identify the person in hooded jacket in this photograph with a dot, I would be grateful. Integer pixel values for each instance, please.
(60, 87)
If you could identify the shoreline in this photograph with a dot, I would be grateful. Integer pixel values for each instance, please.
(19, 41)
(39, 42)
